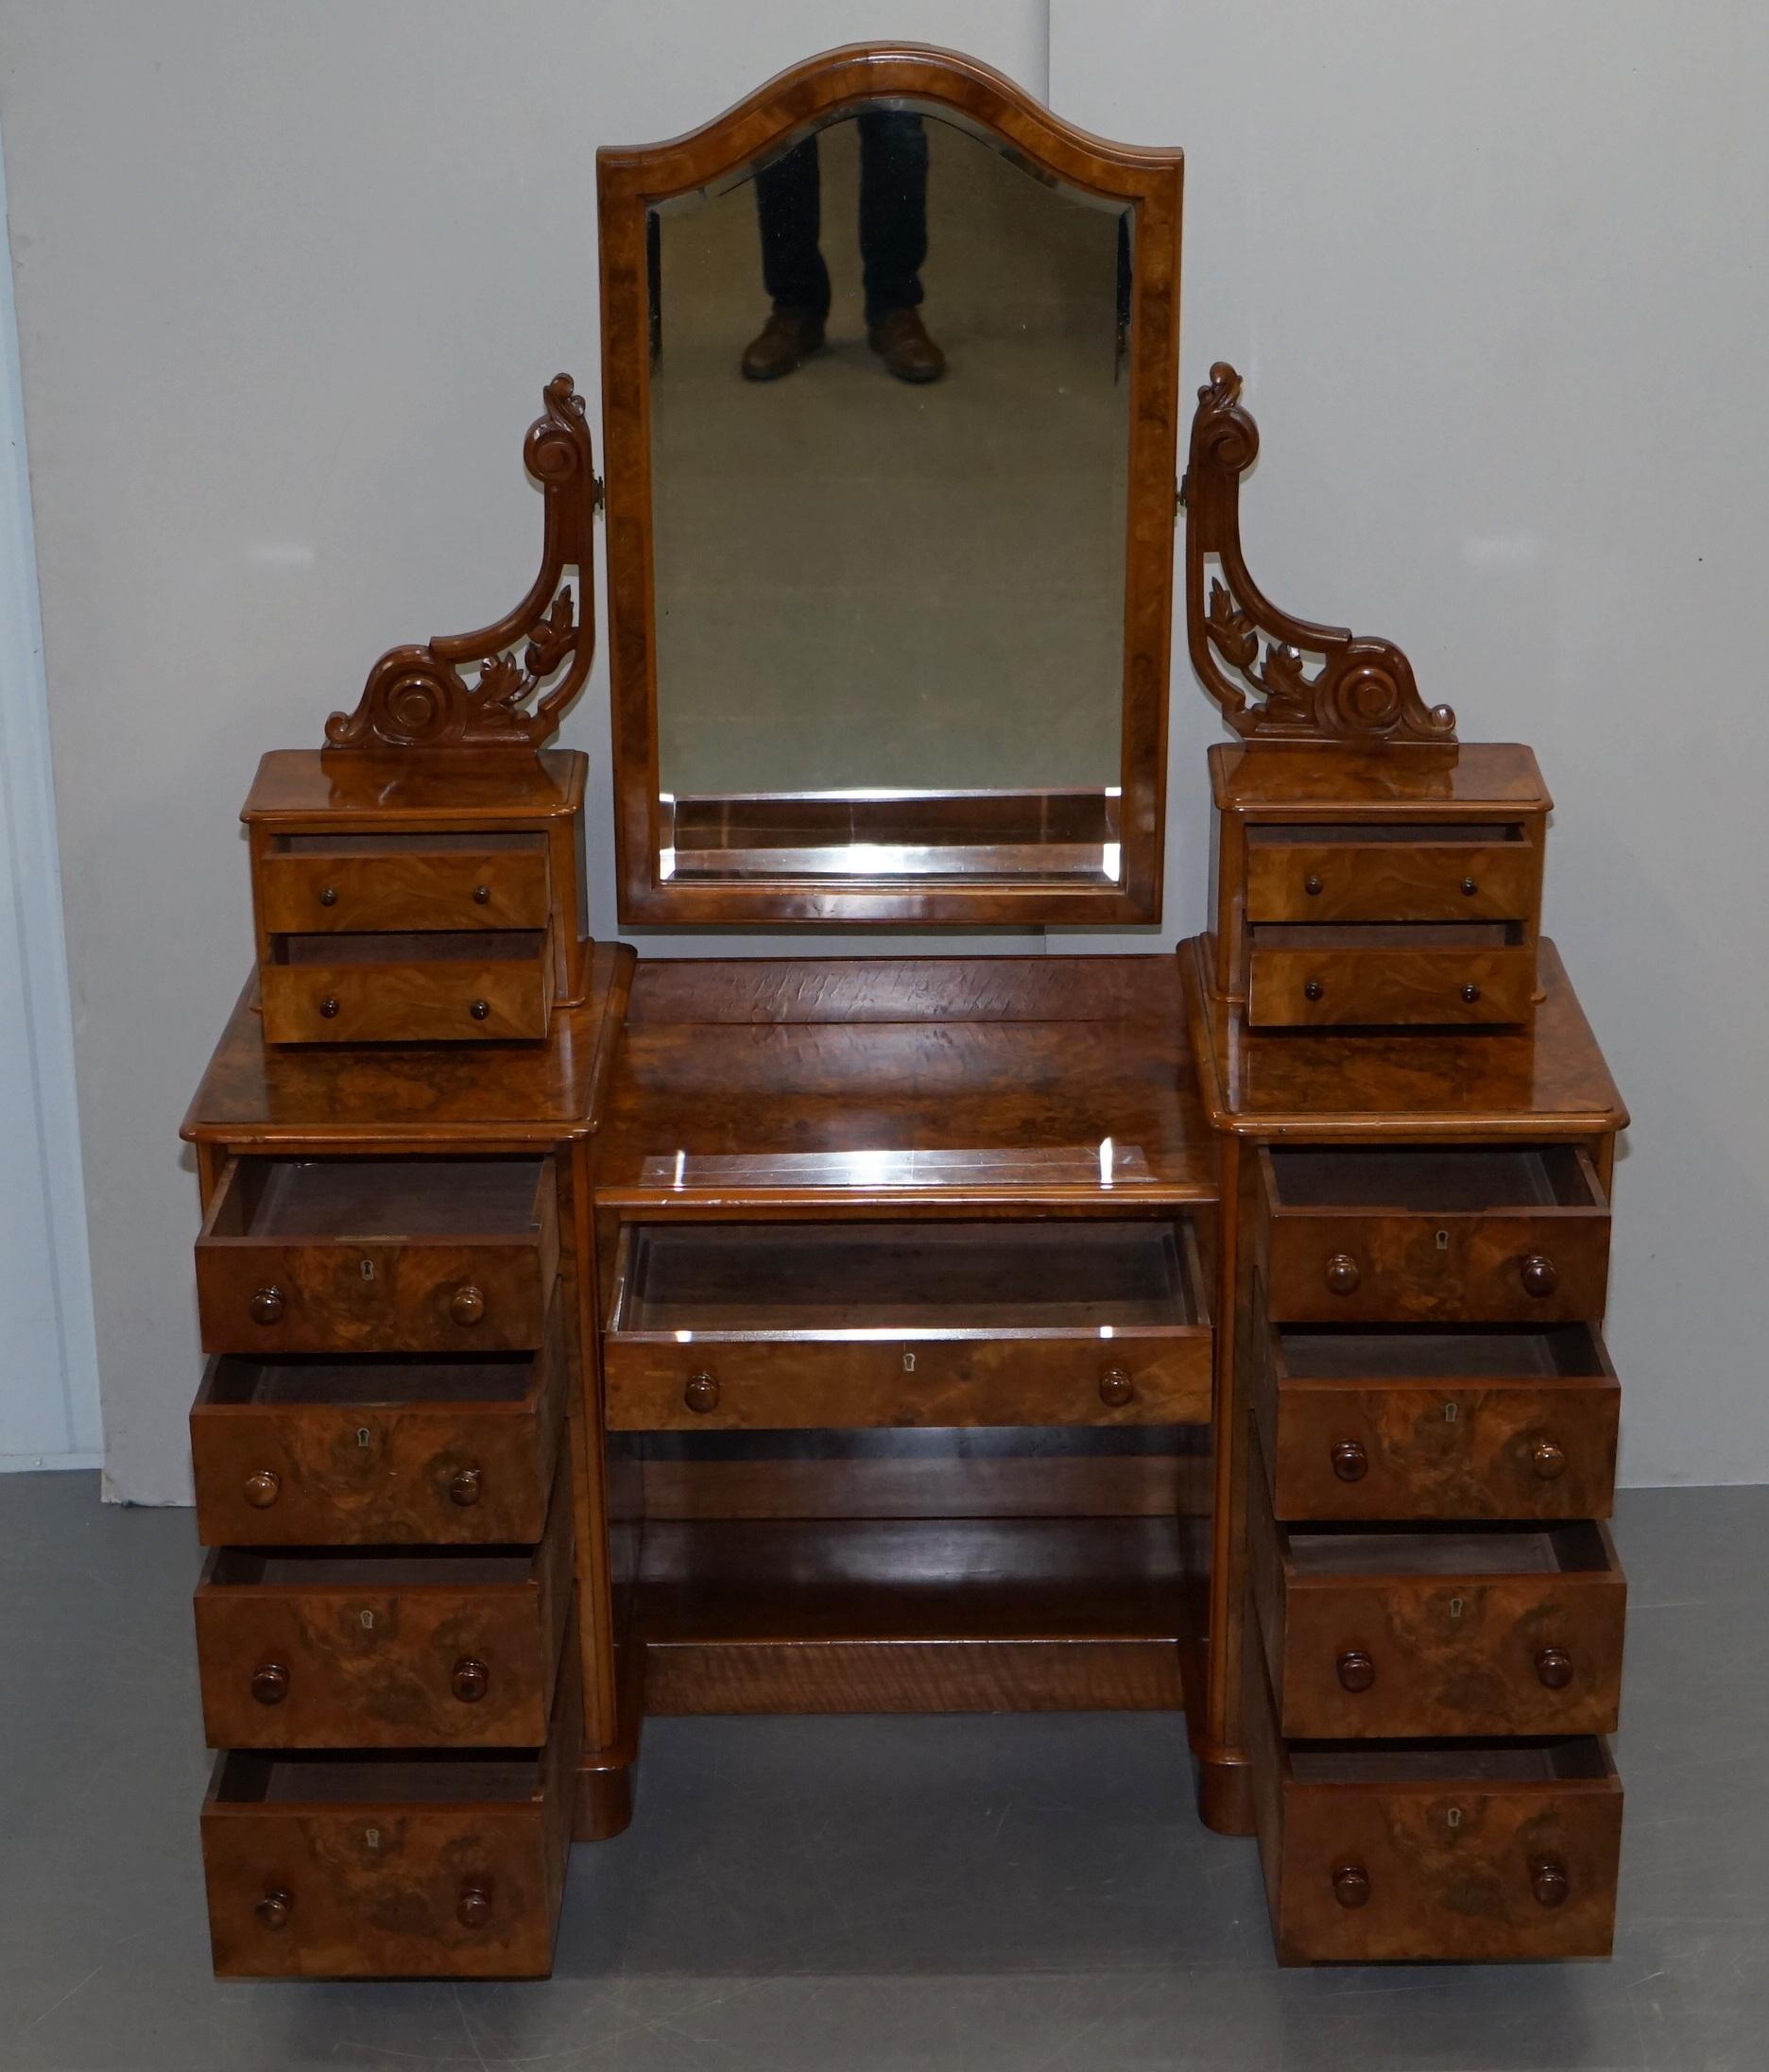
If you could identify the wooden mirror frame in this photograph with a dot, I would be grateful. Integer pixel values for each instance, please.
(630, 180)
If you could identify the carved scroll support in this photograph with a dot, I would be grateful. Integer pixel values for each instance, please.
(1254, 659)
(528, 667)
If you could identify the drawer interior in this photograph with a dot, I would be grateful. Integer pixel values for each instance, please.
(431, 842)
(526, 945)
(370, 1567)
(1452, 1550)
(388, 1381)
(450, 1776)
(1407, 1353)
(1469, 935)
(1575, 1758)
(346, 1198)
(1426, 1179)
(886, 1278)
(1407, 835)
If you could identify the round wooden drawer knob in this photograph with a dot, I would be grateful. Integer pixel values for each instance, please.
(1342, 1273)
(480, 1009)
(464, 1487)
(467, 1305)
(1351, 1885)
(274, 1909)
(263, 1488)
(1116, 1388)
(1554, 1668)
(474, 1907)
(1548, 1882)
(269, 1683)
(1357, 1672)
(328, 895)
(327, 1008)
(482, 896)
(1313, 989)
(1311, 886)
(1470, 992)
(701, 1393)
(1547, 1460)
(1539, 1277)
(267, 1306)
(1349, 1460)
(470, 1680)
(1468, 888)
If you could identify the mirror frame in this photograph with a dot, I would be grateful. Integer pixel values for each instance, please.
(631, 180)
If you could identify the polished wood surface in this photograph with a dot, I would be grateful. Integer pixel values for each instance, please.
(410, 989)
(373, 1648)
(1431, 878)
(1342, 984)
(397, 1866)
(414, 881)
(630, 181)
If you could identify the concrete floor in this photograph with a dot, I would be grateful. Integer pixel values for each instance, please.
(846, 1894)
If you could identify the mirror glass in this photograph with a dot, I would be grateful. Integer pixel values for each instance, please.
(889, 440)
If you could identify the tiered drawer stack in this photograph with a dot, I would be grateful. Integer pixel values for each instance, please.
(1435, 1621)
(383, 1627)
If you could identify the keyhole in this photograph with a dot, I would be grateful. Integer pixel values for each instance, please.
(368, 1622)
(363, 1435)
(1455, 1607)
(1443, 1241)
(908, 1362)
(1454, 1816)
(368, 1269)
(1450, 1413)
(372, 1836)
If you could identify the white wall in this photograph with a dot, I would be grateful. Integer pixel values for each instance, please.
(48, 1364)
(1494, 273)
(289, 280)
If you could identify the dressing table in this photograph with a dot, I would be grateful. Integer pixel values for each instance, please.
(593, 1336)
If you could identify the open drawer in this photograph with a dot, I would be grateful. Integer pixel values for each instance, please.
(378, 1255)
(1481, 1233)
(929, 1323)
(384, 1646)
(1436, 1851)
(1436, 1421)
(366, 1866)
(1437, 1629)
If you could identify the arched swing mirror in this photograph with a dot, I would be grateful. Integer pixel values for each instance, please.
(890, 390)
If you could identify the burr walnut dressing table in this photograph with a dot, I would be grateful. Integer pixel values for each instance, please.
(1215, 1329)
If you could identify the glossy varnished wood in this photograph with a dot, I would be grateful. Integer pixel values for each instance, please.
(631, 181)
(408, 989)
(414, 881)
(1428, 982)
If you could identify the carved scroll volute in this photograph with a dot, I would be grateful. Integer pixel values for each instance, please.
(1253, 659)
(532, 663)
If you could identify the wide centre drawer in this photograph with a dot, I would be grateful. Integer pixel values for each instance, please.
(378, 1255)
(446, 987)
(382, 1647)
(1443, 1852)
(931, 1323)
(343, 882)
(365, 1866)
(1477, 1233)
(1436, 1421)
(1437, 1630)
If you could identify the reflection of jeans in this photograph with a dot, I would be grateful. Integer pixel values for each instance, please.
(893, 219)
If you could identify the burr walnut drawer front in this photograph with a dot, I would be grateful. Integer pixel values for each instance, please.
(378, 1255)
(366, 1866)
(1483, 1234)
(1437, 1630)
(1430, 1851)
(384, 1647)
(444, 987)
(935, 1324)
(1436, 1421)
(1408, 975)
(307, 1450)
(1471, 872)
(324, 883)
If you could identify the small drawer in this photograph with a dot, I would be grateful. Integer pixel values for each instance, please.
(784, 1326)
(407, 988)
(324, 883)
(365, 1866)
(1434, 1421)
(1437, 1630)
(384, 1647)
(1478, 872)
(1407, 976)
(378, 1255)
(308, 1452)
(1446, 1853)
(1484, 1234)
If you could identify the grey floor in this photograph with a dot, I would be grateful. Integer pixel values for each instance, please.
(855, 1893)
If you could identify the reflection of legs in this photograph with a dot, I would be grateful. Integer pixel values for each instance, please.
(893, 240)
(788, 204)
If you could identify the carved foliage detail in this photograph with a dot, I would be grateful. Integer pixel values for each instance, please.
(533, 663)
(1254, 658)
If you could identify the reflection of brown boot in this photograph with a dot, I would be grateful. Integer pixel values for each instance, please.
(905, 347)
(787, 341)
